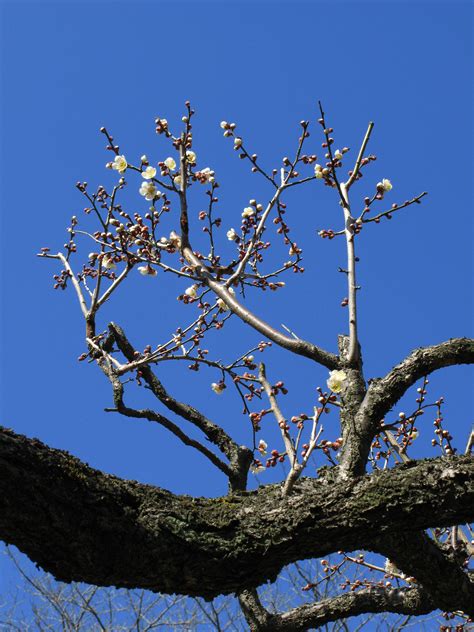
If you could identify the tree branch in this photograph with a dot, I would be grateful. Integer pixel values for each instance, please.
(240, 457)
(384, 393)
(410, 601)
(438, 571)
(133, 535)
(298, 346)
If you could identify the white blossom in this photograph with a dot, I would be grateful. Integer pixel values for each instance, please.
(385, 185)
(170, 163)
(177, 181)
(191, 291)
(175, 239)
(224, 124)
(248, 212)
(338, 154)
(257, 469)
(149, 191)
(335, 381)
(147, 271)
(218, 387)
(149, 173)
(108, 262)
(207, 174)
(191, 157)
(120, 164)
(237, 143)
(318, 171)
(262, 446)
(231, 235)
(222, 304)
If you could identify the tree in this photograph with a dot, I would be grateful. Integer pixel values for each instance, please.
(84, 525)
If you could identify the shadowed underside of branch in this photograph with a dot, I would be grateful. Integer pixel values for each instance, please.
(83, 525)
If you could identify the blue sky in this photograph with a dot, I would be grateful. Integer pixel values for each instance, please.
(68, 68)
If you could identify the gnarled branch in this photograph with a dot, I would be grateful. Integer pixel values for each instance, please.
(83, 525)
(384, 393)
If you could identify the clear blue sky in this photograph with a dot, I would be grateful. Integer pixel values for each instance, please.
(68, 68)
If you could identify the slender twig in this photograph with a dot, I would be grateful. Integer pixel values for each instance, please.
(355, 172)
(289, 447)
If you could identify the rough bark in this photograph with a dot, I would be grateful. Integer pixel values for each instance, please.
(81, 524)
(384, 393)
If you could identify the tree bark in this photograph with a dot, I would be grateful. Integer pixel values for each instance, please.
(81, 524)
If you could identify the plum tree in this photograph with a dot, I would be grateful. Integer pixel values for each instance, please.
(371, 495)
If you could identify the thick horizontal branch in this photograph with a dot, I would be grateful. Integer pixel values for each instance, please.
(384, 393)
(410, 601)
(83, 525)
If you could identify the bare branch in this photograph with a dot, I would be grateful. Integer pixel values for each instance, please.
(411, 601)
(357, 165)
(239, 456)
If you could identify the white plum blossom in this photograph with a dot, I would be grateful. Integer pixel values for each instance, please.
(224, 124)
(248, 212)
(318, 171)
(335, 381)
(257, 469)
(237, 143)
(170, 163)
(120, 164)
(191, 157)
(385, 185)
(231, 235)
(262, 446)
(218, 387)
(177, 181)
(108, 262)
(222, 304)
(191, 291)
(338, 154)
(175, 239)
(144, 158)
(207, 174)
(149, 173)
(147, 271)
(149, 191)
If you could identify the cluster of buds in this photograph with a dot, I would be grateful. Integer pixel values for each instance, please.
(276, 457)
(326, 446)
(443, 436)
(228, 128)
(299, 420)
(256, 418)
(327, 233)
(279, 387)
(162, 126)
